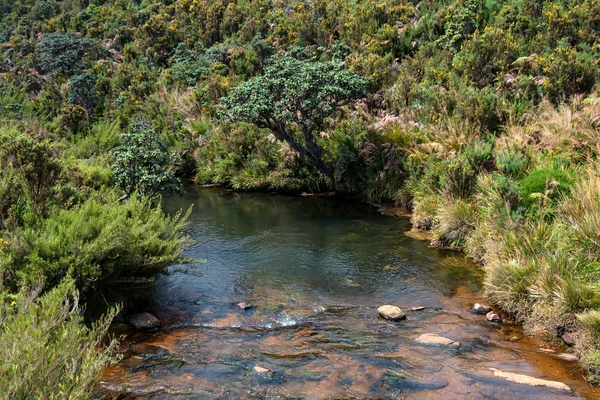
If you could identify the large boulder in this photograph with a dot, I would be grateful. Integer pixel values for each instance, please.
(391, 313)
(144, 321)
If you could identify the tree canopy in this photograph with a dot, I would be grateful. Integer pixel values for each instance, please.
(293, 98)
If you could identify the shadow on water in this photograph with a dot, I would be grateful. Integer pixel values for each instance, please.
(314, 271)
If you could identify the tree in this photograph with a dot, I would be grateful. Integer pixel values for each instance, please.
(63, 53)
(293, 99)
(82, 91)
(141, 164)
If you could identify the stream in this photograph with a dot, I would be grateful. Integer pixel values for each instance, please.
(314, 271)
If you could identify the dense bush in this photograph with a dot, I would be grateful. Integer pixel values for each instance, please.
(96, 241)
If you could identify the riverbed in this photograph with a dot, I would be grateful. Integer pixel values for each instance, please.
(312, 272)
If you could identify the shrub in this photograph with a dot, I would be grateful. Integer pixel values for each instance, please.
(511, 164)
(546, 182)
(97, 241)
(581, 212)
(456, 218)
(141, 164)
(35, 158)
(46, 351)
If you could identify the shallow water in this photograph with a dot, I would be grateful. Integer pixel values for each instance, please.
(315, 270)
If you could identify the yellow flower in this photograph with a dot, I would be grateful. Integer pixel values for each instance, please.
(14, 303)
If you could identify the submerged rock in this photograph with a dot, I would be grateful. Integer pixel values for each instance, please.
(260, 370)
(437, 340)
(420, 308)
(493, 317)
(567, 357)
(144, 321)
(529, 380)
(391, 313)
(481, 308)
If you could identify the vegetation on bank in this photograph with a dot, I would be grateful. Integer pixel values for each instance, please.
(482, 117)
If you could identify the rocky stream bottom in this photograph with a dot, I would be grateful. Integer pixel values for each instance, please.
(312, 274)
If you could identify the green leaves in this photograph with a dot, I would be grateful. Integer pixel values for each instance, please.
(293, 98)
(46, 351)
(141, 164)
(63, 53)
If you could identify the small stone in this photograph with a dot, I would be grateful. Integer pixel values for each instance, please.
(260, 370)
(391, 313)
(244, 306)
(481, 309)
(493, 317)
(546, 350)
(420, 308)
(528, 380)
(568, 357)
(568, 339)
(437, 340)
(144, 321)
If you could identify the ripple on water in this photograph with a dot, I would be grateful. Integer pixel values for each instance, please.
(315, 271)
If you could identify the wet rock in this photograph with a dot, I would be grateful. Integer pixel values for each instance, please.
(144, 321)
(260, 370)
(391, 313)
(481, 308)
(529, 380)
(493, 317)
(420, 308)
(568, 357)
(244, 306)
(568, 339)
(546, 350)
(436, 340)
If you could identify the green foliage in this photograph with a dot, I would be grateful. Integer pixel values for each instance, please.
(544, 183)
(82, 90)
(35, 159)
(63, 53)
(511, 164)
(46, 350)
(293, 99)
(140, 165)
(97, 241)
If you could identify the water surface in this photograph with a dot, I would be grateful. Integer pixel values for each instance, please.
(314, 271)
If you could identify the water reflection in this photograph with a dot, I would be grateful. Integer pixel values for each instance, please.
(315, 270)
